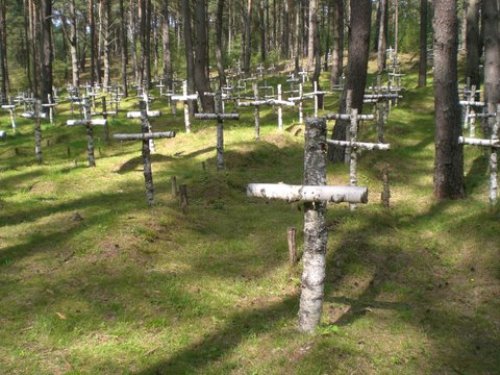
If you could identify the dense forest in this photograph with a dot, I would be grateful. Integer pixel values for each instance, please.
(320, 182)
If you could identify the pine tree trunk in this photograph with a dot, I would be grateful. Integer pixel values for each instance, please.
(472, 42)
(338, 41)
(3, 52)
(448, 165)
(124, 49)
(313, 29)
(106, 13)
(490, 13)
(359, 44)
(422, 65)
(381, 40)
(219, 49)
(188, 44)
(167, 55)
(91, 22)
(47, 54)
(201, 56)
(247, 45)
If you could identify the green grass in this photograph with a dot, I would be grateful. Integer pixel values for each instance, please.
(411, 289)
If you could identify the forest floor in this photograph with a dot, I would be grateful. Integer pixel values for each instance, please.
(92, 281)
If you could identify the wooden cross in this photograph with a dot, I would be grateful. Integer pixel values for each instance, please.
(470, 113)
(10, 108)
(315, 94)
(257, 103)
(36, 115)
(315, 195)
(339, 86)
(292, 80)
(352, 144)
(299, 99)
(139, 115)
(50, 105)
(220, 116)
(185, 98)
(493, 144)
(89, 123)
(303, 74)
(145, 136)
(260, 69)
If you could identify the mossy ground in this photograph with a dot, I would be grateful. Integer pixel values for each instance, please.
(92, 281)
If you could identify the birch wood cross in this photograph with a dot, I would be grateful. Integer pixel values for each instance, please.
(493, 144)
(185, 99)
(303, 75)
(220, 116)
(299, 99)
(292, 80)
(37, 115)
(10, 108)
(352, 145)
(89, 123)
(145, 136)
(315, 195)
(51, 106)
(149, 114)
(470, 112)
(315, 94)
(256, 103)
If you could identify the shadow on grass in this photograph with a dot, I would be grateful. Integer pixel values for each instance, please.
(214, 346)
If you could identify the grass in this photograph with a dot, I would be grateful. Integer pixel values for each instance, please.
(92, 281)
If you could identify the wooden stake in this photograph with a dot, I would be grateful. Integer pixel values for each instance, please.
(173, 182)
(292, 245)
(183, 197)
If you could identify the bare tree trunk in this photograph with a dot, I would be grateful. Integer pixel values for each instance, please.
(124, 49)
(47, 54)
(262, 26)
(201, 56)
(359, 44)
(338, 41)
(490, 12)
(167, 55)
(381, 40)
(247, 45)
(188, 43)
(3, 51)
(472, 42)
(91, 22)
(313, 29)
(422, 65)
(448, 166)
(285, 36)
(219, 49)
(106, 13)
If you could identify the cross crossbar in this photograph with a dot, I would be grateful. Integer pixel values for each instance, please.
(360, 145)
(143, 136)
(305, 193)
(217, 116)
(93, 122)
(137, 114)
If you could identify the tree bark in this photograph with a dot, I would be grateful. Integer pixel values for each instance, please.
(381, 40)
(422, 65)
(313, 36)
(247, 44)
(47, 50)
(472, 42)
(188, 44)
(338, 41)
(167, 54)
(106, 13)
(124, 49)
(3, 51)
(219, 48)
(448, 165)
(490, 11)
(201, 62)
(359, 44)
